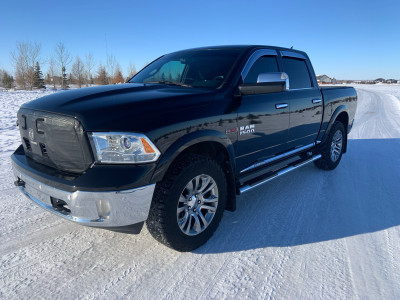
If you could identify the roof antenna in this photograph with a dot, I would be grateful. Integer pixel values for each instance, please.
(291, 47)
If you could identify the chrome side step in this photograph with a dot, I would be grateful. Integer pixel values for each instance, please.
(281, 156)
(277, 174)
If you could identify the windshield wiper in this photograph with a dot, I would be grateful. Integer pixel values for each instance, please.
(169, 83)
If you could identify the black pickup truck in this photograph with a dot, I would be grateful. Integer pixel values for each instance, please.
(177, 143)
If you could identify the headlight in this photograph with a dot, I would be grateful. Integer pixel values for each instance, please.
(119, 147)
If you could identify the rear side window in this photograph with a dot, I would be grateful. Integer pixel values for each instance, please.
(264, 64)
(299, 77)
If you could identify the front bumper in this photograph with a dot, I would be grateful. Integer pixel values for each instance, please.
(107, 209)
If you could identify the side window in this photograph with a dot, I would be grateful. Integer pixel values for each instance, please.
(264, 64)
(299, 77)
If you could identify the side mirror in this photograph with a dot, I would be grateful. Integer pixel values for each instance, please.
(273, 82)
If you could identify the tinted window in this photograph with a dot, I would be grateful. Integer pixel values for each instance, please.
(193, 68)
(264, 64)
(299, 78)
(171, 71)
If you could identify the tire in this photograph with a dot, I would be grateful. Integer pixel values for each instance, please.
(332, 149)
(186, 208)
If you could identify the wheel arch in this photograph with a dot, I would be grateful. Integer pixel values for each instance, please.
(340, 114)
(213, 144)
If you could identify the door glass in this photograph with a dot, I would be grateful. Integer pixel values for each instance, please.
(299, 77)
(264, 64)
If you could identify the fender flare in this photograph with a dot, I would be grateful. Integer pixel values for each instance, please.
(188, 140)
(336, 113)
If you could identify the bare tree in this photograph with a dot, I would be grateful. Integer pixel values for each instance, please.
(78, 71)
(63, 59)
(52, 72)
(89, 66)
(131, 70)
(33, 56)
(111, 64)
(24, 58)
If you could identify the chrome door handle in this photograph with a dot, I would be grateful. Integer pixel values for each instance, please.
(315, 101)
(281, 105)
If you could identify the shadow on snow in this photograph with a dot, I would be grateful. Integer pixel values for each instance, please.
(362, 195)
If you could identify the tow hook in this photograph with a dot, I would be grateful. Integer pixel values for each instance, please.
(19, 182)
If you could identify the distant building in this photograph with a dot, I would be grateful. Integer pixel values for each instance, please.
(324, 79)
(391, 81)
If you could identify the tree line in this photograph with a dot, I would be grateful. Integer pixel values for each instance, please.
(63, 69)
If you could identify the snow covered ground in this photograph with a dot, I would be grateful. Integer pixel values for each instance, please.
(309, 234)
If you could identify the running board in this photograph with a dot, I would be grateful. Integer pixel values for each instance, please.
(277, 174)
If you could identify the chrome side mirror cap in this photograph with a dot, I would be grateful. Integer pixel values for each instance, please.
(273, 82)
(274, 77)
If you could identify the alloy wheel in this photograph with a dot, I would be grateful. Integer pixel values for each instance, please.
(197, 205)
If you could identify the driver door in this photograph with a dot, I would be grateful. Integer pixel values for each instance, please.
(263, 119)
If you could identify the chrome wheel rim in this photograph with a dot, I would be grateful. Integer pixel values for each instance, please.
(336, 146)
(197, 205)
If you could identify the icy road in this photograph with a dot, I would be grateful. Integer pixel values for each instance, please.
(310, 234)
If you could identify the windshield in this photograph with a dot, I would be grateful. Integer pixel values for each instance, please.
(192, 68)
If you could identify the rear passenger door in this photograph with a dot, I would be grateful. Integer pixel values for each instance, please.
(305, 100)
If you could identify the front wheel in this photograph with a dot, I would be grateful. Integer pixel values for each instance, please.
(188, 204)
(332, 149)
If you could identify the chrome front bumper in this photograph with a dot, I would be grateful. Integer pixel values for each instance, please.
(98, 209)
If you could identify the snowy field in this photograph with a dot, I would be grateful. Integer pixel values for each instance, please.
(310, 234)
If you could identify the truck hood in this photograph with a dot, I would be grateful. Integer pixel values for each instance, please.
(127, 107)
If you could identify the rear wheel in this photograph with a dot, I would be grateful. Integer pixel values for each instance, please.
(188, 204)
(332, 149)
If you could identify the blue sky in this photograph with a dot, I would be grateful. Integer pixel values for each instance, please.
(344, 39)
